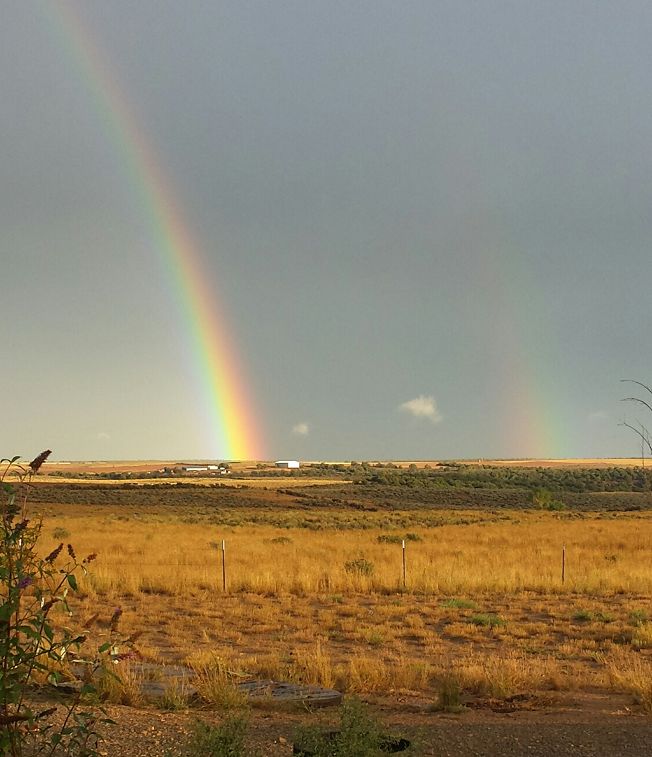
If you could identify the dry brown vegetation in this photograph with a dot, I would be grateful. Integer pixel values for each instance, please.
(317, 595)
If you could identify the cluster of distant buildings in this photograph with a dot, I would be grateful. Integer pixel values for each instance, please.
(212, 469)
(221, 469)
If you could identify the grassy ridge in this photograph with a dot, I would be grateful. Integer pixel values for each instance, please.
(361, 497)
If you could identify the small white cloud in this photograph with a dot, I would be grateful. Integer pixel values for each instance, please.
(103, 436)
(598, 416)
(301, 429)
(422, 407)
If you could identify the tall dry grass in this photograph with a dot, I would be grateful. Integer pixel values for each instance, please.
(632, 672)
(177, 559)
(483, 612)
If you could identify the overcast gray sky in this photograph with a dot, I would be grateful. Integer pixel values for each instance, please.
(427, 222)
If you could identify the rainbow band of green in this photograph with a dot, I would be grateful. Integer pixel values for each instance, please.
(517, 326)
(235, 434)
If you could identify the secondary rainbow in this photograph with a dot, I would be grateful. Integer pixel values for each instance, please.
(235, 434)
(527, 422)
(525, 367)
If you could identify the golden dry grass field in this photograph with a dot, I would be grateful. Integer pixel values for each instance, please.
(483, 612)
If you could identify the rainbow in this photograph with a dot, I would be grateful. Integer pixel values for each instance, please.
(526, 387)
(231, 417)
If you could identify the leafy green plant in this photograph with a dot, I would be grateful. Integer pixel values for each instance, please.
(32, 649)
(359, 735)
(225, 740)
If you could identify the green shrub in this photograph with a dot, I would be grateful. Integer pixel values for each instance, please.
(225, 740)
(360, 567)
(358, 735)
(389, 539)
(543, 499)
(396, 539)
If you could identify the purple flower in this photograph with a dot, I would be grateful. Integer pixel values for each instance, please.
(25, 581)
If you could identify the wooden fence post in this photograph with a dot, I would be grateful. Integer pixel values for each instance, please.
(403, 548)
(563, 563)
(223, 566)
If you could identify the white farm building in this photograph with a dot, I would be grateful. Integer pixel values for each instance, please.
(287, 464)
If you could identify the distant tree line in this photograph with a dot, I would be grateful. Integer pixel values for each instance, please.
(613, 479)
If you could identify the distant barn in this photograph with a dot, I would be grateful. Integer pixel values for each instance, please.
(287, 464)
(221, 468)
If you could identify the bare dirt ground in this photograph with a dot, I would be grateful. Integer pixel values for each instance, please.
(583, 725)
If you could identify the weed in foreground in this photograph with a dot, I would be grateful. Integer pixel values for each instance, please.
(225, 740)
(449, 693)
(32, 649)
(215, 684)
(175, 697)
(359, 735)
(631, 672)
(120, 684)
(313, 666)
(498, 676)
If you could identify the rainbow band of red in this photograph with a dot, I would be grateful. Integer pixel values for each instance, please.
(234, 431)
